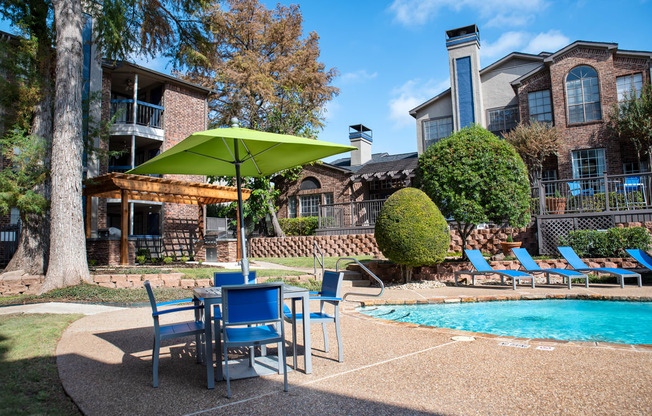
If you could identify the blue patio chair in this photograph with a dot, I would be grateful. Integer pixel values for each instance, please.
(576, 263)
(178, 330)
(257, 304)
(232, 278)
(483, 268)
(575, 189)
(330, 293)
(531, 266)
(642, 257)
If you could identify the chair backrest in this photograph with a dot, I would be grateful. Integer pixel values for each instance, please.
(331, 284)
(150, 294)
(572, 258)
(251, 304)
(526, 260)
(630, 180)
(575, 188)
(232, 278)
(640, 256)
(480, 264)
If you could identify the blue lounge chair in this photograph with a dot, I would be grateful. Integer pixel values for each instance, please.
(642, 257)
(181, 329)
(576, 263)
(531, 266)
(258, 304)
(483, 268)
(330, 293)
(575, 189)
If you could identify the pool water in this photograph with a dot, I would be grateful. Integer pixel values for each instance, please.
(560, 319)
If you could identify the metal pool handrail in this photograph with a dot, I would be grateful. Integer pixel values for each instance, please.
(380, 282)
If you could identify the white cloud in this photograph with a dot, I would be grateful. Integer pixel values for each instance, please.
(411, 94)
(501, 13)
(508, 42)
(535, 43)
(330, 109)
(550, 41)
(358, 76)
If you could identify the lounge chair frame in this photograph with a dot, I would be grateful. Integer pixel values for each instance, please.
(576, 263)
(483, 268)
(530, 266)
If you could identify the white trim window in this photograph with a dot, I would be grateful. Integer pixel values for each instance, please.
(436, 129)
(629, 86)
(588, 163)
(583, 95)
(502, 119)
(540, 106)
(309, 205)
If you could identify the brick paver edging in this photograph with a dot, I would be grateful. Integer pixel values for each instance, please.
(351, 309)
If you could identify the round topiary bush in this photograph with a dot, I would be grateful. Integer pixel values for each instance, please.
(411, 231)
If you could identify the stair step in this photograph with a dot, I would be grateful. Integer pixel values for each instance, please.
(356, 283)
(351, 275)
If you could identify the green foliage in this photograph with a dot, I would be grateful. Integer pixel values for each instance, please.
(610, 243)
(631, 120)
(144, 252)
(141, 259)
(597, 203)
(410, 230)
(510, 239)
(299, 226)
(535, 141)
(167, 260)
(475, 177)
(183, 259)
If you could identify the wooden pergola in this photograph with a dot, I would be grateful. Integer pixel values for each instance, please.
(146, 188)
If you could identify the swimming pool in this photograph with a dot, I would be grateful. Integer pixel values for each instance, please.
(560, 319)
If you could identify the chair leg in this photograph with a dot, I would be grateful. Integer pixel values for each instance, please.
(294, 335)
(285, 368)
(226, 372)
(155, 354)
(199, 346)
(323, 328)
(281, 362)
(338, 333)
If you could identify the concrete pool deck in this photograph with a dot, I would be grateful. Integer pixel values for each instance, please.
(104, 363)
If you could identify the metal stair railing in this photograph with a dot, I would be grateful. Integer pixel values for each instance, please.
(316, 250)
(380, 282)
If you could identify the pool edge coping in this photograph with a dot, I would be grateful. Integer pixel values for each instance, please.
(351, 309)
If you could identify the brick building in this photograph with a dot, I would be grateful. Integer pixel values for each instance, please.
(150, 112)
(574, 89)
(348, 191)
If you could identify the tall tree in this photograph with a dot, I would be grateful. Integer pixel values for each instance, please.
(27, 99)
(265, 73)
(535, 141)
(631, 120)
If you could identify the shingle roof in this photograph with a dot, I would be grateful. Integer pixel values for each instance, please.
(380, 162)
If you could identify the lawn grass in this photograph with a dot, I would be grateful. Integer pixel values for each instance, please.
(30, 381)
(207, 273)
(308, 262)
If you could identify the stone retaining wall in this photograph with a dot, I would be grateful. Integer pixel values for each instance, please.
(487, 240)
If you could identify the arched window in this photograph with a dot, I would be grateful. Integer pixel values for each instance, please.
(309, 183)
(583, 94)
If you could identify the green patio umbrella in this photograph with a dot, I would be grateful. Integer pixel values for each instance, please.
(238, 152)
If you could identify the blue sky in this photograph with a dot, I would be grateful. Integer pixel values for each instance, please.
(391, 54)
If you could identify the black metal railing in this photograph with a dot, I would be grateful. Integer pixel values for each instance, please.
(607, 193)
(350, 214)
(147, 114)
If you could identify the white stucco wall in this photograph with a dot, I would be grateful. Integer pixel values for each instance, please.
(496, 88)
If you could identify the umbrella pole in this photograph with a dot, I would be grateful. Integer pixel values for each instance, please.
(244, 262)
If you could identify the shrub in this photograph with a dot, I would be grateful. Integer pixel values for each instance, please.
(168, 260)
(143, 252)
(411, 231)
(475, 177)
(141, 259)
(299, 226)
(183, 259)
(610, 243)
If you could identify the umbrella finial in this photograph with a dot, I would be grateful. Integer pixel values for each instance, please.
(235, 122)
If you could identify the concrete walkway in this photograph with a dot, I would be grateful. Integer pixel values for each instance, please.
(104, 362)
(59, 308)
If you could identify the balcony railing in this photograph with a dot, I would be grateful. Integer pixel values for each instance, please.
(147, 114)
(350, 214)
(608, 193)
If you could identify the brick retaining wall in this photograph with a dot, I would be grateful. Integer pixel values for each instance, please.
(487, 240)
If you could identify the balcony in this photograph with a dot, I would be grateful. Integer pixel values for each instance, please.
(148, 119)
(608, 194)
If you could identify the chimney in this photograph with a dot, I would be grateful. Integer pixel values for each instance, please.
(463, 46)
(360, 137)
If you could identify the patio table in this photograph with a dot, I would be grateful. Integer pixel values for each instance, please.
(213, 296)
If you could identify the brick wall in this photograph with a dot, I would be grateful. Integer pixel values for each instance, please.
(591, 134)
(107, 252)
(365, 244)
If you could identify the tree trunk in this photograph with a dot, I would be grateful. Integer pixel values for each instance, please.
(34, 244)
(278, 231)
(68, 265)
